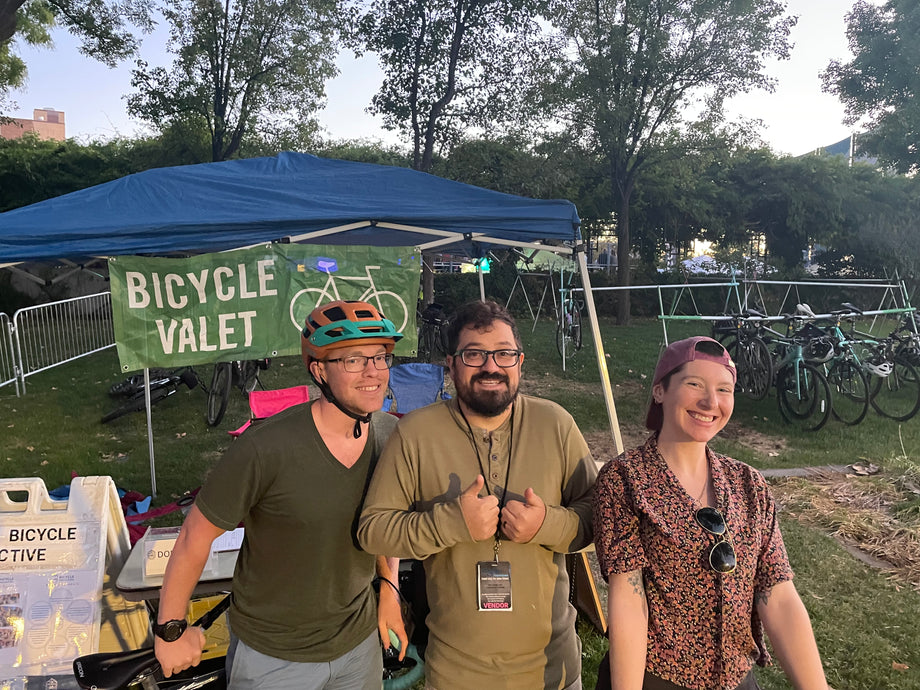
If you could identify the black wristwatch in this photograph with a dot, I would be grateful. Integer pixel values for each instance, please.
(170, 631)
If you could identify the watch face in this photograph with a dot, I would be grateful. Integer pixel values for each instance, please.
(170, 631)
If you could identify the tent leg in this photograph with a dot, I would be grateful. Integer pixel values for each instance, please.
(153, 469)
(482, 285)
(599, 349)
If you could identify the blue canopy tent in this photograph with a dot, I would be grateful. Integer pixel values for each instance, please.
(215, 206)
(295, 198)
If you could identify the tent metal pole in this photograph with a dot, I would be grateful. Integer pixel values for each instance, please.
(482, 285)
(153, 467)
(582, 260)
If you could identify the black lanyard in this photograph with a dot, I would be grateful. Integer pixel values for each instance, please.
(485, 475)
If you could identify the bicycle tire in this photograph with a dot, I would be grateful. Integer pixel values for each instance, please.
(137, 403)
(760, 378)
(804, 396)
(425, 341)
(249, 375)
(219, 392)
(568, 334)
(897, 396)
(849, 391)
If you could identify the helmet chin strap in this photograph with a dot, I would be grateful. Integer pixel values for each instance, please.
(327, 393)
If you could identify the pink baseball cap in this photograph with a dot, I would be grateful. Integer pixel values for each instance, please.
(679, 353)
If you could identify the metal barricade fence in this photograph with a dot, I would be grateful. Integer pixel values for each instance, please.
(47, 335)
(8, 368)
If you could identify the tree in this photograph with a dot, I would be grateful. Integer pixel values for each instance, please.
(105, 27)
(448, 64)
(642, 79)
(880, 86)
(245, 70)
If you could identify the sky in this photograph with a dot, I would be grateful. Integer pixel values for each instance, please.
(798, 117)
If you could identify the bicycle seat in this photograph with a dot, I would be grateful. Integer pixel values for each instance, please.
(114, 671)
(852, 308)
(753, 312)
(804, 310)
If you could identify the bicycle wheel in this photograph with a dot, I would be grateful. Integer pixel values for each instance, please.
(803, 395)
(137, 403)
(896, 396)
(760, 363)
(219, 392)
(425, 341)
(850, 392)
(249, 375)
(568, 332)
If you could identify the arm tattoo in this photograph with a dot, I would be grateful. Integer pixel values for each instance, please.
(635, 579)
(762, 597)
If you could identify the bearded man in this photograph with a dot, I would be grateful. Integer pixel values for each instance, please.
(489, 490)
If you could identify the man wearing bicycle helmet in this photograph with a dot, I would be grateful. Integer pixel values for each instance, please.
(490, 490)
(304, 613)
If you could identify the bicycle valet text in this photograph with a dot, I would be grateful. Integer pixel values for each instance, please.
(31, 540)
(177, 291)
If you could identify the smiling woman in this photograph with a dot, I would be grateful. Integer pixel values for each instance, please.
(690, 544)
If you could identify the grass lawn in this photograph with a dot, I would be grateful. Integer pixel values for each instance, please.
(865, 619)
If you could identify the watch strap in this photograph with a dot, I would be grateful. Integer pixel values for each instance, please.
(171, 630)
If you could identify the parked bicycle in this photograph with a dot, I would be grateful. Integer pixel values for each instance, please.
(432, 332)
(568, 325)
(163, 384)
(743, 337)
(802, 391)
(244, 374)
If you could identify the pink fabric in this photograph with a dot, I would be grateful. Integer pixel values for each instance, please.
(266, 403)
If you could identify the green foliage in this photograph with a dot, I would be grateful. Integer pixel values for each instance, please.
(623, 75)
(448, 64)
(105, 28)
(880, 86)
(250, 74)
(32, 169)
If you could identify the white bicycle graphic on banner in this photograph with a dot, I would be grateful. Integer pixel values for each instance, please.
(388, 303)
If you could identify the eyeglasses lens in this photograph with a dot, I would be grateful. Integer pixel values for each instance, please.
(478, 358)
(359, 363)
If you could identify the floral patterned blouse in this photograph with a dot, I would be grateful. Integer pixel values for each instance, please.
(703, 629)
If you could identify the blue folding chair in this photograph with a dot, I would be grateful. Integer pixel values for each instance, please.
(414, 385)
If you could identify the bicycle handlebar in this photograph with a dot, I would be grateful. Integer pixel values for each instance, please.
(116, 670)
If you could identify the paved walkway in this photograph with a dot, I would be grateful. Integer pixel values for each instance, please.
(806, 471)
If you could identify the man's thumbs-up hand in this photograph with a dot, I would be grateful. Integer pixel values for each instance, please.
(480, 513)
(521, 521)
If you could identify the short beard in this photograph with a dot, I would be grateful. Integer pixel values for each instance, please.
(487, 403)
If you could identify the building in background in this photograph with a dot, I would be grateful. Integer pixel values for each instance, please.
(47, 123)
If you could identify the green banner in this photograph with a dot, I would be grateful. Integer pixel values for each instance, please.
(251, 303)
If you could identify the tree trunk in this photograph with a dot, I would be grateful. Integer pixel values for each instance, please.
(624, 279)
(427, 279)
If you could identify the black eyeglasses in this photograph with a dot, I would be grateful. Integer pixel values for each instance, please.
(722, 555)
(355, 363)
(478, 358)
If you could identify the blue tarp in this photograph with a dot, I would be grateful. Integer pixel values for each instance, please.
(215, 206)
